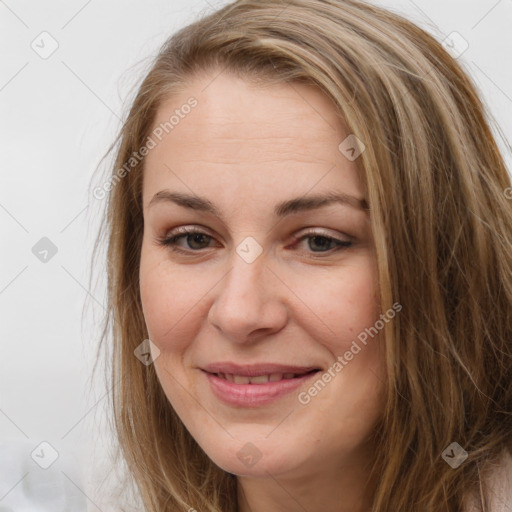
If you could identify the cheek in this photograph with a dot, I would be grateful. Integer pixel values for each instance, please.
(334, 305)
(167, 301)
(344, 302)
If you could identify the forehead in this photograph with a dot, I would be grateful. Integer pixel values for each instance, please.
(229, 109)
(244, 133)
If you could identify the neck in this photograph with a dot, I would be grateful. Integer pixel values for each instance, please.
(340, 489)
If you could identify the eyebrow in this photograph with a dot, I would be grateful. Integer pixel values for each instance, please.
(289, 207)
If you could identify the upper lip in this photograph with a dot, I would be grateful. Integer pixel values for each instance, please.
(253, 370)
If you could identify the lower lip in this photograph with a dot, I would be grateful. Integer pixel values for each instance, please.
(253, 395)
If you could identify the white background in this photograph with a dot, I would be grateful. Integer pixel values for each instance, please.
(58, 116)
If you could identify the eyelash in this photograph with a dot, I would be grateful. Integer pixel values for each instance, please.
(171, 241)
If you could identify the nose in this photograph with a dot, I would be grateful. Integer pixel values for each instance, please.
(250, 302)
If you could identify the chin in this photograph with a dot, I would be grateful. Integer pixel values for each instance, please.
(255, 459)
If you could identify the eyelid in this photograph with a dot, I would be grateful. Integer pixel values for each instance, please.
(310, 230)
(185, 230)
(170, 240)
(189, 230)
(323, 232)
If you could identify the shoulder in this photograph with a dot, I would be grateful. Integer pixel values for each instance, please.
(499, 488)
(501, 485)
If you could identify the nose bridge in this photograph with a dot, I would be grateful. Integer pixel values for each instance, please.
(246, 280)
(246, 301)
(248, 266)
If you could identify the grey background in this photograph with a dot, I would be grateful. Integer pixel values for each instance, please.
(58, 116)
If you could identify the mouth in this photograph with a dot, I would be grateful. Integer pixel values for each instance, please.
(261, 379)
(255, 386)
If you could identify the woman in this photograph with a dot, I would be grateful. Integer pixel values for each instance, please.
(310, 270)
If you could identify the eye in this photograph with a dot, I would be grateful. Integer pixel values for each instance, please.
(196, 240)
(193, 236)
(320, 242)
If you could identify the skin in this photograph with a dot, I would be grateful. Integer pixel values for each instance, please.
(246, 148)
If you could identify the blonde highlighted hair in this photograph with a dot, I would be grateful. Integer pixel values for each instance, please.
(442, 224)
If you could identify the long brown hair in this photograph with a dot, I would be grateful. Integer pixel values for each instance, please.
(442, 224)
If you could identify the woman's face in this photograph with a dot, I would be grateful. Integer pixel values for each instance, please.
(272, 286)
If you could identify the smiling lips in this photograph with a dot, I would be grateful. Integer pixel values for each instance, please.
(254, 385)
(258, 379)
(254, 370)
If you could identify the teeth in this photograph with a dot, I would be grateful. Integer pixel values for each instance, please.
(258, 379)
(240, 379)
